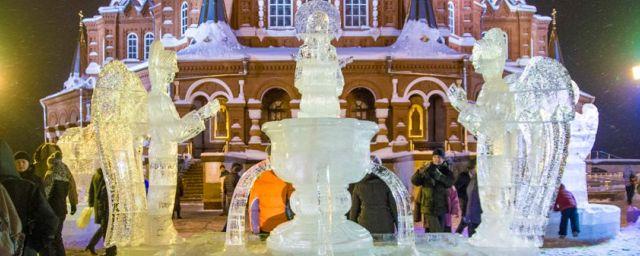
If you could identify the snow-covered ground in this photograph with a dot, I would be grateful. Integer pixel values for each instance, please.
(626, 243)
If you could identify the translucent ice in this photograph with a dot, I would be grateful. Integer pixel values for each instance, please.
(522, 126)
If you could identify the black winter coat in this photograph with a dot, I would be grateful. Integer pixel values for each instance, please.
(39, 223)
(474, 208)
(461, 185)
(373, 206)
(98, 197)
(230, 182)
(435, 181)
(30, 175)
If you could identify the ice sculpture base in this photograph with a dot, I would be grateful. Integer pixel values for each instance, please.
(598, 222)
(300, 236)
(320, 157)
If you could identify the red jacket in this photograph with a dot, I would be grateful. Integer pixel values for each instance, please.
(565, 200)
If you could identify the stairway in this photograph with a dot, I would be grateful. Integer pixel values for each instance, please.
(192, 180)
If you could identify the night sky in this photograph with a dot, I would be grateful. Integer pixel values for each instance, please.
(600, 41)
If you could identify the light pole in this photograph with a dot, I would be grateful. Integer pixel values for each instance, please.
(636, 72)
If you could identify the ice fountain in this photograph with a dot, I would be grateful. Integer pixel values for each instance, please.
(319, 174)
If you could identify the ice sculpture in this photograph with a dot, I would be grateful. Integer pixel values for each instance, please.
(238, 208)
(522, 126)
(597, 221)
(119, 107)
(319, 175)
(318, 74)
(78, 146)
(167, 129)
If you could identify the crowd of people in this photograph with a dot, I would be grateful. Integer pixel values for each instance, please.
(35, 196)
(440, 197)
(35, 206)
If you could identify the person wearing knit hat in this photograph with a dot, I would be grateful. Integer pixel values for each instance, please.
(434, 180)
(25, 169)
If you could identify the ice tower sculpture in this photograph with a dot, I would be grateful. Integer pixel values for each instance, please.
(319, 153)
(522, 126)
(120, 119)
(166, 130)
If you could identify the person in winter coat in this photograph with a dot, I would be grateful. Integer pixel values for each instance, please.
(566, 204)
(461, 184)
(434, 181)
(99, 199)
(472, 218)
(223, 199)
(179, 193)
(268, 202)
(25, 169)
(58, 186)
(630, 187)
(373, 206)
(40, 157)
(38, 220)
(453, 208)
(10, 226)
(229, 185)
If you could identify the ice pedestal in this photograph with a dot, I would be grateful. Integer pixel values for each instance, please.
(598, 222)
(320, 157)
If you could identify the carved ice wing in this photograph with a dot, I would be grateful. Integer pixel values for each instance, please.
(543, 92)
(119, 115)
(544, 106)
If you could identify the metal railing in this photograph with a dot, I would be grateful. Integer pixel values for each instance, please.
(602, 155)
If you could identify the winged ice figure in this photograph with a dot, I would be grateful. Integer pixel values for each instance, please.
(522, 126)
(120, 119)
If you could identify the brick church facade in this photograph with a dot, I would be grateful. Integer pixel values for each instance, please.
(404, 96)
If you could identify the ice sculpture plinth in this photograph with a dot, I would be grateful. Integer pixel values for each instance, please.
(320, 178)
(320, 153)
(597, 221)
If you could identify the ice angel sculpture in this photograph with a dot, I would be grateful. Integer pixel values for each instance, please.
(119, 116)
(167, 129)
(522, 126)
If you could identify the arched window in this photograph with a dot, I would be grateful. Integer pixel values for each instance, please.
(183, 17)
(356, 13)
(148, 40)
(437, 119)
(221, 121)
(416, 118)
(200, 141)
(280, 13)
(275, 107)
(452, 18)
(361, 105)
(416, 121)
(132, 46)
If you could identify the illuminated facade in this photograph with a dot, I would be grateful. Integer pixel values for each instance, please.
(403, 93)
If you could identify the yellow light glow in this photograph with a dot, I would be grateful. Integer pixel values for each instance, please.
(636, 72)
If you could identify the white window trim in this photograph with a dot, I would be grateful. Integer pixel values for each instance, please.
(184, 17)
(135, 46)
(147, 47)
(344, 16)
(451, 8)
(274, 27)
